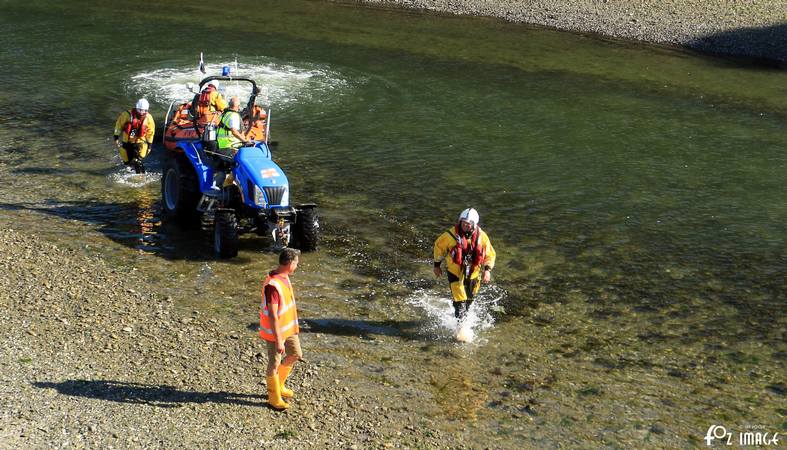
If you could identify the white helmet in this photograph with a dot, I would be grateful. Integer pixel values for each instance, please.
(469, 215)
(215, 83)
(142, 104)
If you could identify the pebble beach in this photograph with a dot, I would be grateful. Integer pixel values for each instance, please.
(91, 358)
(754, 29)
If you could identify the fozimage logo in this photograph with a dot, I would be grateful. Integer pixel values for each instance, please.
(718, 434)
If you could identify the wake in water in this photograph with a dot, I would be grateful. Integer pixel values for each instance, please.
(444, 325)
(281, 83)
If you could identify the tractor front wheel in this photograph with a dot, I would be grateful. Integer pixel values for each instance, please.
(225, 234)
(307, 229)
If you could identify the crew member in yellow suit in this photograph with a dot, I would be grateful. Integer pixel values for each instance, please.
(469, 259)
(134, 131)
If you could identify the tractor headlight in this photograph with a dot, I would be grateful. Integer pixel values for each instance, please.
(259, 197)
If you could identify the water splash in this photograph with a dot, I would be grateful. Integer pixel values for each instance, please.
(281, 84)
(439, 309)
(126, 177)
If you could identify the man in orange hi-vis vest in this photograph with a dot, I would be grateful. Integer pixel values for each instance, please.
(279, 327)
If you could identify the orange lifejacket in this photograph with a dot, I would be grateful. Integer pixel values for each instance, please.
(204, 100)
(468, 253)
(287, 312)
(135, 127)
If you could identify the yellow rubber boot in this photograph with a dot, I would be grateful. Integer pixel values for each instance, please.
(274, 393)
(284, 372)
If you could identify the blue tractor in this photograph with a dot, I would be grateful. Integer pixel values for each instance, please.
(230, 195)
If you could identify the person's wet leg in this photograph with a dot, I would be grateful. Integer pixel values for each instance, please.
(459, 310)
(470, 290)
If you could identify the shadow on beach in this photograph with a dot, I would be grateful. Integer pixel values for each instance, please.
(765, 46)
(148, 394)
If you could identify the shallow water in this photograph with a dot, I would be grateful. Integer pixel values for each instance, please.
(635, 196)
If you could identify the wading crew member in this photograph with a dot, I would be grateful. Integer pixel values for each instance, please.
(279, 327)
(134, 131)
(468, 255)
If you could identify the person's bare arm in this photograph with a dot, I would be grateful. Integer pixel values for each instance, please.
(239, 135)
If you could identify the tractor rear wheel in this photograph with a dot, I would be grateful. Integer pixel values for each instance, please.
(180, 192)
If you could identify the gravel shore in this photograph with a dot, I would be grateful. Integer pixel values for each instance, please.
(90, 358)
(755, 29)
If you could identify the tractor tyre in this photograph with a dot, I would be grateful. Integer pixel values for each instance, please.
(225, 234)
(180, 192)
(307, 229)
(207, 221)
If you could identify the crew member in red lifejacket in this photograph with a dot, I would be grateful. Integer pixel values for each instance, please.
(134, 131)
(468, 255)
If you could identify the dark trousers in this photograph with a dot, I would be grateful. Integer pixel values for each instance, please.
(132, 153)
